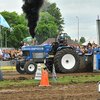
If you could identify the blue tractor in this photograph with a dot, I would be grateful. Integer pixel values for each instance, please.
(64, 58)
(31, 56)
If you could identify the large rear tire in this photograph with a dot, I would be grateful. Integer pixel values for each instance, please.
(66, 61)
(30, 67)
(20, 68)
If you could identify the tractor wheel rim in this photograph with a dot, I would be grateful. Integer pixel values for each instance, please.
(68, 61)
(31, 67)
(21, 68)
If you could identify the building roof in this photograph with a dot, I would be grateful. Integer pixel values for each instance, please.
(50, 40)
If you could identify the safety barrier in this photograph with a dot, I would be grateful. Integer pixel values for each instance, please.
(85, 65)
(8, 64)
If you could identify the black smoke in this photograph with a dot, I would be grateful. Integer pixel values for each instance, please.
(31, 9)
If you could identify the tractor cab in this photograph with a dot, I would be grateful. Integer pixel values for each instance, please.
(60, 44)
(62, 39)
(29, 41)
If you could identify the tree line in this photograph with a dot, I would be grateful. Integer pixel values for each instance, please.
(50, 23)
(82, 40)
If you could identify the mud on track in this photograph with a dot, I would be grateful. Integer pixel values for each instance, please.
(14, 74)
(79, 91)
(73, 91)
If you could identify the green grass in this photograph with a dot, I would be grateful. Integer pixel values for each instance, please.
(65, 80)
(8, 83)
(72, 79)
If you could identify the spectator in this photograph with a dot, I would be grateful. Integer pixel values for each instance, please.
(36, 43)
(12, 57)
(6, 56)
(89, 44)
(93, 47)
(93, 44)
(72, 45)
(9, 53)
(86, 49)
(96, 46)
(68, 45)
(82, 50)
(3, 51)
(75, 46)
(78, 46)
(90, 50)
(15, 54)
(21, 44)
(19, 53)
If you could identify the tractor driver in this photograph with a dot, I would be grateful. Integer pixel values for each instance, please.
(60, 37)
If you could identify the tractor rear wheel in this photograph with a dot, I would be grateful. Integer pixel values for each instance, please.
(30, 67)
(66, 61)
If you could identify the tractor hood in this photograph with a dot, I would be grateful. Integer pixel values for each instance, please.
(37, 51)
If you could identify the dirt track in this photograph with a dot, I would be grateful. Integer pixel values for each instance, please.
(15, 74)
(74, 91)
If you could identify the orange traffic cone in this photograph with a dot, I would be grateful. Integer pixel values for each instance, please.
(44, 78)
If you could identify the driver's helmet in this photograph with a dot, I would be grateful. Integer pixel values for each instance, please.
(60, 37)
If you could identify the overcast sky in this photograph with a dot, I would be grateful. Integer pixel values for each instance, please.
(86, 10)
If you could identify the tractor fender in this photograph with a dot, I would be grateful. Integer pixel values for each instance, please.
(64, 47)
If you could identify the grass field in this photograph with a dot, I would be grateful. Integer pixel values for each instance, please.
(62, 80)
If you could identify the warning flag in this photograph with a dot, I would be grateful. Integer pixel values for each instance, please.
(3, 22)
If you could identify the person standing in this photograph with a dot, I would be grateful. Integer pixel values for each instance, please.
(89, 44)
(21, 44)
(93, 45)
(1, 55)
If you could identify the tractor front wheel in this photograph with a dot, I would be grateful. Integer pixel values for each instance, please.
(30, 67)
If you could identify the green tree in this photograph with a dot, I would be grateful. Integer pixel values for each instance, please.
(22, 19)
(82, 40)
(11, 17)
(76, 40)
(17, 35)
(55, 12)
(46, 28)
(18, 28)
